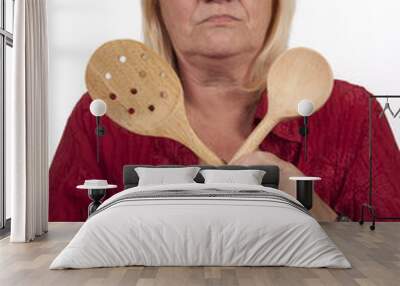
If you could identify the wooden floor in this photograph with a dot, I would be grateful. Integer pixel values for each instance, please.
(375, 257)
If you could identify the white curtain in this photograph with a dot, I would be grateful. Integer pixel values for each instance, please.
(27, 123)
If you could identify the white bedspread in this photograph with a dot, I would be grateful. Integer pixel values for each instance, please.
(200, 231)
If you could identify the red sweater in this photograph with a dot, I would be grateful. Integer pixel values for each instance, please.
(338, 152)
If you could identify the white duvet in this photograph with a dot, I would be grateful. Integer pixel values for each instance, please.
(191, 231)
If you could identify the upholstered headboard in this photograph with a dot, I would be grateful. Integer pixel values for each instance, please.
(271, 178)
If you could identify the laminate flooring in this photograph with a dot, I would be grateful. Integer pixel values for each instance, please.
(375, 257)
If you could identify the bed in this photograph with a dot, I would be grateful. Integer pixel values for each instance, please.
(201, 224)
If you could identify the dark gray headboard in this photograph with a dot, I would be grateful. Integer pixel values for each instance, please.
(271, 178)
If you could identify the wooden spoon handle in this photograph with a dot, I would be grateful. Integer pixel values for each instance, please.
(201, 150)
(256, 137)
(179, 129)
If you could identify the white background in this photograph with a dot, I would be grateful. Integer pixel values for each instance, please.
(360, 38)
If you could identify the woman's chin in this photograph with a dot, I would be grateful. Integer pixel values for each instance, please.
(221, 48)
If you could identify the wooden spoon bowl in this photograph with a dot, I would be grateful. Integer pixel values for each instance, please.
(296, 75)
(143, 94)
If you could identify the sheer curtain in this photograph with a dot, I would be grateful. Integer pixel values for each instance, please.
(27, 123)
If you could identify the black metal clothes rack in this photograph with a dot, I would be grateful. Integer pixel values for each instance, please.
(369, 205)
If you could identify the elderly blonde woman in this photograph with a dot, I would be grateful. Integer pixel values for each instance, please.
(221, 51)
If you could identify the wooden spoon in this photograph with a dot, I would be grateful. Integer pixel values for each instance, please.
(297, 74)
(143, 94)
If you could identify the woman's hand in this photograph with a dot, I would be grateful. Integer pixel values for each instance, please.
(320, 211)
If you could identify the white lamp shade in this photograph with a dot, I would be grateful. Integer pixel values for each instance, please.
(98, 107)
(305, 107)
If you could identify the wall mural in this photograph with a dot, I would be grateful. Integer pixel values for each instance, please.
(142, 107)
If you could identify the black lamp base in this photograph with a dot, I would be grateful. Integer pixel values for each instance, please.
(304, 193)
(96, 196)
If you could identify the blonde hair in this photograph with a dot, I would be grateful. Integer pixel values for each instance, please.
(276, 39)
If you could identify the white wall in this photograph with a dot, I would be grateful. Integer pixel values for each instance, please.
(360, 38)
(76, 29)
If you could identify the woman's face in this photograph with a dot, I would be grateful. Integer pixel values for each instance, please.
(216, 28)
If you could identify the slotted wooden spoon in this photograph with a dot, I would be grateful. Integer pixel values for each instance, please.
(143, 94)
(297, 74)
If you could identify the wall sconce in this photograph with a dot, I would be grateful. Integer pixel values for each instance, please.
(98, 108)
(305, 108)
